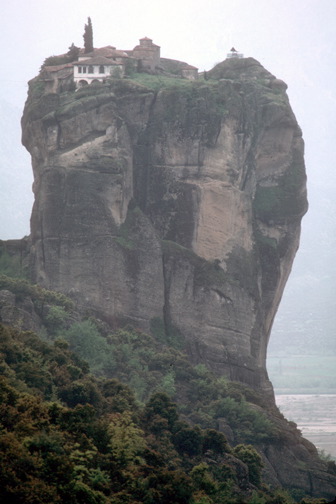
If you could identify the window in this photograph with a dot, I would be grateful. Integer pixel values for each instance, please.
(90, 69)
(101, 69)
(79, 69)
(84, 69)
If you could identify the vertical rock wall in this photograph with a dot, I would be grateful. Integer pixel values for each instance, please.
(181, 204)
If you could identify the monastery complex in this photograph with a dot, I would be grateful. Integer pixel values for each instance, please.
(106, 62)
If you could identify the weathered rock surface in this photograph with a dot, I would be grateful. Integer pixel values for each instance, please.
(181, 204)
(176, 205)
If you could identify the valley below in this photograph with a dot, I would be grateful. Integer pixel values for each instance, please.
(315, 416)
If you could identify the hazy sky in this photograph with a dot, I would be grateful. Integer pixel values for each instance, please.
(293, 39)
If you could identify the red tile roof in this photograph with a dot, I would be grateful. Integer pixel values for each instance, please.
(107, 52)
(97, 60)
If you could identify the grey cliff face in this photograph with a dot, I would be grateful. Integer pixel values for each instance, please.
(180, 205)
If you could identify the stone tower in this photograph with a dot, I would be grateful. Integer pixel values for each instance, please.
(148, 53)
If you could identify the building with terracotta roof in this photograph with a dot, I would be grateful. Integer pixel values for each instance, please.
(104, 62)
(96, 69)
(106, 51)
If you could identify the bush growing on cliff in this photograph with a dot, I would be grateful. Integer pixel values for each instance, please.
(55, 60)
(56, 319)
(22, 288)
(251, 425)
(11, 266)
(73, 52)
(249, 455)
(130, 68)
(85, 339)
(62, 59)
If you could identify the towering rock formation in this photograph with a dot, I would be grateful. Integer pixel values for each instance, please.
(175, 203)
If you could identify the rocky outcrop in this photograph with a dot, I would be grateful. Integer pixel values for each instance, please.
(175, 201)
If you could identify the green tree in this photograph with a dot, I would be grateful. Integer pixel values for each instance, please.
(86, 341)
(167, 487)
(188, 440)
(83, 391)
(88, 37)
(77, 419)
(56, 318)
(203, 479)
(168, 383)
(11, 265)
(127, 440)
(118, 396)
(215, 441)
(249, 455)
(161, 405)
(73, 52)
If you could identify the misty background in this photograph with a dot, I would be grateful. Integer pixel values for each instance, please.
(293, 39)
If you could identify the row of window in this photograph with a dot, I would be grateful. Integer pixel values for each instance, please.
(90, 69)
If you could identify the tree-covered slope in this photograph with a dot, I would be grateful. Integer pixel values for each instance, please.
(66, 436)
(144, 426)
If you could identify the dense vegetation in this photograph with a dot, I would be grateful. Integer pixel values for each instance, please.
(66, 436)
